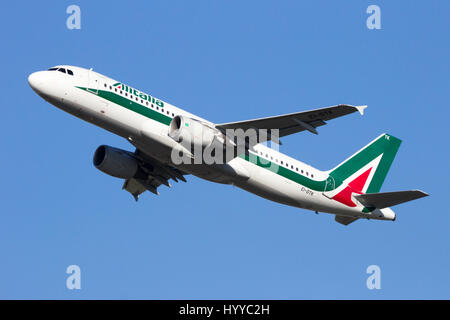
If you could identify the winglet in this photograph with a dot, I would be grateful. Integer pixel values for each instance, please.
(361, 109)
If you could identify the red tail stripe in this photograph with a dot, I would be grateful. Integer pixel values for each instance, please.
(356, 186)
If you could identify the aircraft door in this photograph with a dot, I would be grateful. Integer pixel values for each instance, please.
(92, 82)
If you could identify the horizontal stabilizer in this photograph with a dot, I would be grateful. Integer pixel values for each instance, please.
(345, 220)
(388, 199)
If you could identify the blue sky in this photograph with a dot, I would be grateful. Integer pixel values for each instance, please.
(225, 61)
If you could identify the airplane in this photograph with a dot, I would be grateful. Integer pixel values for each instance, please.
(156, 128)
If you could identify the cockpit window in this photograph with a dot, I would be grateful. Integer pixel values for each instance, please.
(63, 70)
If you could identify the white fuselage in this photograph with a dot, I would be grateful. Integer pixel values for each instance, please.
(98, 103)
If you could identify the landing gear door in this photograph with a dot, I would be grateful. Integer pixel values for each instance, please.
(92, 82)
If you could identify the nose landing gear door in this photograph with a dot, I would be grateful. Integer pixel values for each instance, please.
(92, 82)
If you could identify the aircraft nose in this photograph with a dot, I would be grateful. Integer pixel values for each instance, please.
(35, 80)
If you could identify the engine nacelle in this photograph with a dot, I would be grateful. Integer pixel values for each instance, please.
(115, 162)
(190, 132)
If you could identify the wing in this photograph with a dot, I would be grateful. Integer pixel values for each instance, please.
(155, 174)
(295, 122)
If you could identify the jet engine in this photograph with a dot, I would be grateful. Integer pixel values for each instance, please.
(190, 132)
(115, 162)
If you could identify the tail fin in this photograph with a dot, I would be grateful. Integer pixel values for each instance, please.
(366, 170)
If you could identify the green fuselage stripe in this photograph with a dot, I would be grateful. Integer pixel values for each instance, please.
(132, 105)
(286, 173)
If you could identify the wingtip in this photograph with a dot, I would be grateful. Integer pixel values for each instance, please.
(423, 193)
(361, 109)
